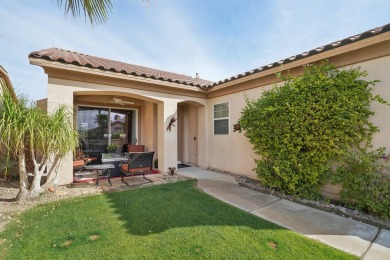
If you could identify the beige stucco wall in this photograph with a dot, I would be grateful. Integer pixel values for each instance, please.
(231, 152)
(58, 94)
(234, 153)
(148, 137)
(379, 69)
(202, 138)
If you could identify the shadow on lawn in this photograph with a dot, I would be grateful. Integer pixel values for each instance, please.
(158, 208)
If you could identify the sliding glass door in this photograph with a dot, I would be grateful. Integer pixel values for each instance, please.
(100, 127)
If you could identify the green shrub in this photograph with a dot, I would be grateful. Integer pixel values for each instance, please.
(365, 182)
(302, 127)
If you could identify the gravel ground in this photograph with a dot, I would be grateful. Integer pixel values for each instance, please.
(322, 205)
(9, 208)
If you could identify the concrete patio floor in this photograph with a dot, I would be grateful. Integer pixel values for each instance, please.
(363, 240)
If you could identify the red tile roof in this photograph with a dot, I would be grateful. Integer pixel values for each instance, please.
(327, 47)
(80, 59)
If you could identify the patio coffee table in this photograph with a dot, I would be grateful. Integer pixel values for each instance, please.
(105, 171)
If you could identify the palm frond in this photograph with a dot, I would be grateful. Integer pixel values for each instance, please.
(96, 10)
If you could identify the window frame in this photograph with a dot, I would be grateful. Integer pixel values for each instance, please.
(221, 118)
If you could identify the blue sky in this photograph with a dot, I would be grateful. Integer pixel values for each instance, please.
(215, 38)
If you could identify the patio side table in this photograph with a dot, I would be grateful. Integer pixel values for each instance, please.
(105, 170)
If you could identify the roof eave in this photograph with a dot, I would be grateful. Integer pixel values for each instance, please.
(302, 61)
(82, 69)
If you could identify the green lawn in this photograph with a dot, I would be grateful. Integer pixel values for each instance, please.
(170, 221)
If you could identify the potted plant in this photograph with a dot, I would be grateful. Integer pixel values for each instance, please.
(156, 163)
(112, 148)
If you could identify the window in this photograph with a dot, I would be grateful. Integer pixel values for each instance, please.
(221, 119)
(99, 127)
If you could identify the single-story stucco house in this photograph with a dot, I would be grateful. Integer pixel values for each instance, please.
(148, 99)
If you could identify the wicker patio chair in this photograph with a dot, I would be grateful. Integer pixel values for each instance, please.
(138, 163)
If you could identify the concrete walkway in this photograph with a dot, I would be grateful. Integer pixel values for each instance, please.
(363, 240)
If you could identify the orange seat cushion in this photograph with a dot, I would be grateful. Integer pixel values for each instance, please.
(78, 163)
(125, 167)
(132, 148)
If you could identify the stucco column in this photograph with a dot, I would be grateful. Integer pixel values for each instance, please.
(167, 140)
(203, 126)
(61, 95)
(149, 122)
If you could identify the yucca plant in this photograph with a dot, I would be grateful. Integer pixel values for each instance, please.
(7, 161)
(48, 138)
(13, 133)
(51, 138)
